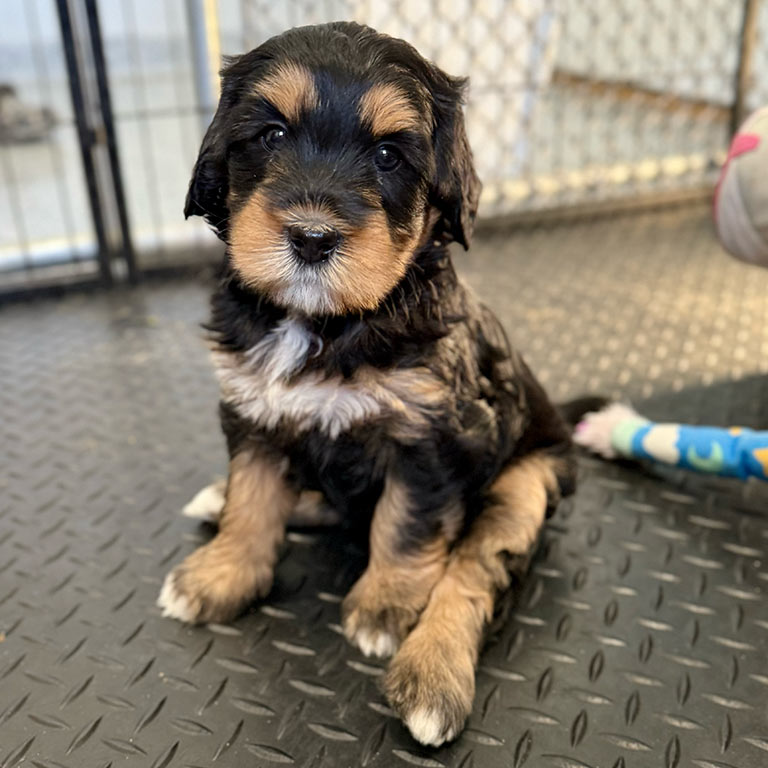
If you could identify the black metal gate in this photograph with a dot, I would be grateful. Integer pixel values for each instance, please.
(64, 222)
(81, 37)
(79, 86)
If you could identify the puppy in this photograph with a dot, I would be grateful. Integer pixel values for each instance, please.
(357, 372)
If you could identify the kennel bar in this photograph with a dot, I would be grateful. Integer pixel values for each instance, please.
(86, 135)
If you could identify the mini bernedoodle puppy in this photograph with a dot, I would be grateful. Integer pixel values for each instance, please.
(357, 372)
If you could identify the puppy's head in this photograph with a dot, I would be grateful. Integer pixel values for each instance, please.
(334, 155)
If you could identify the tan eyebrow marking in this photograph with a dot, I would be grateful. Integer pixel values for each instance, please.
(289, 87)
(386, 109)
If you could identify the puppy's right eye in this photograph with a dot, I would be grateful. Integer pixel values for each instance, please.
(272, 137)
(387, 158)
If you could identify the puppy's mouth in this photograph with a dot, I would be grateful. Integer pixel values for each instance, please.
(309, 259)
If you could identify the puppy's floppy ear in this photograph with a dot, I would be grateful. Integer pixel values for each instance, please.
(456, 188)
(208, 189)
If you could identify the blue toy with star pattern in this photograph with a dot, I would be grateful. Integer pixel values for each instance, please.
(619, 431)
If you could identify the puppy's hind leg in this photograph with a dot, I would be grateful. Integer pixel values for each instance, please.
(217, 581)
(431, 680)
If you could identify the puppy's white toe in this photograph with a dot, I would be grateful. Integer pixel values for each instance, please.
(208, 503)
(375, 643)
(173, 603)
(427, 727)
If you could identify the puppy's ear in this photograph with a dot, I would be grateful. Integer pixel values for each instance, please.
(456, 188)
(208, 189)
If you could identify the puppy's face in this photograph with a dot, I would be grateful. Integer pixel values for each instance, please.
(334, 155)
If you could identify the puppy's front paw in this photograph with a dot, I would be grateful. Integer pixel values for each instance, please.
(431, 685)
(376, 616)
(213, 585)
(208, 503)
(377, 632)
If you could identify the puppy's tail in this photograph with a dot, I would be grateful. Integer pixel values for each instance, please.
(574, 410)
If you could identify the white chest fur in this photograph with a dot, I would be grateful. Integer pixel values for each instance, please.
(258, 384)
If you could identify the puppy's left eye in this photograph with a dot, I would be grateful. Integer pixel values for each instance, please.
(387, 158)
(272, 137)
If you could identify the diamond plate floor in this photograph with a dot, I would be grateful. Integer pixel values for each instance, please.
(639, 639)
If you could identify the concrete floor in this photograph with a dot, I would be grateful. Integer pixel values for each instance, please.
(639, 638)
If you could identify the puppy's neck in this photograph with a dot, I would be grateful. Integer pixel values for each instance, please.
(417, 312)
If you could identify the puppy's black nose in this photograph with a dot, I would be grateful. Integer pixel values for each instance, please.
(313, 244)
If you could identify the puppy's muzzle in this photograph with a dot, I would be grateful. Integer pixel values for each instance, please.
(313, 244)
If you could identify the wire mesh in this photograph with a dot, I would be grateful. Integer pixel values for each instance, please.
(758, 92)
(570, 102)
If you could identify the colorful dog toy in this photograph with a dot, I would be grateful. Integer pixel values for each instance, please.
(619, 431)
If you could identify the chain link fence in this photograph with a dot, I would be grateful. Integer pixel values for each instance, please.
(571, 103)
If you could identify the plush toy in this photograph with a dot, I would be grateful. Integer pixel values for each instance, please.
(619, 431)
(741, 197)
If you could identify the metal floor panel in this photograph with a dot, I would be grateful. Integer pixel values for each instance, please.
(639, 639)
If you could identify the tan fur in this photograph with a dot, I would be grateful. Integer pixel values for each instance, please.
(395, 587)
(512, 523)
(368, 265)
(434, 669)
(257, 243)
(312, 213)
(312, 510)
(409, 395)
(365, 268)
(385, 109)
(222, 577)
(290, 88)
